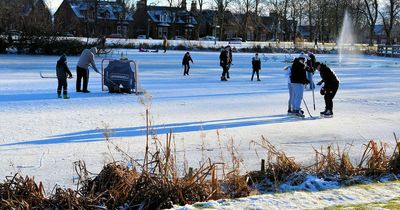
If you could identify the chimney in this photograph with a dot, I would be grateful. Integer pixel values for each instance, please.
(183, 4)
(193, 6)
(141, 4)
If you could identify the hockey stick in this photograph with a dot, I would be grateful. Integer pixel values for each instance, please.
(313, 98)
(305, 104)
(47, 77)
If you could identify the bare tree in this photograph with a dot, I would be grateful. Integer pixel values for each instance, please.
(222, 5)
(174, 3)
(245, 8)
(389, 15)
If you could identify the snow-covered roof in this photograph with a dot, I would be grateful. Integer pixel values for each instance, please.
(170, 15)
(105, 10)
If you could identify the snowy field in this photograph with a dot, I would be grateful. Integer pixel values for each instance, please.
(42, 136)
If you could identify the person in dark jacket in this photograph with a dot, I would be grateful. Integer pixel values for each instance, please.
(185, 63)
(229, 53)
(223, 62)
(63, 73)
(298, 80)
(310, 70)
(331, 85)
(256, 64)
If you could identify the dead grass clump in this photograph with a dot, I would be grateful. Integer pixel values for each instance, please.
(111, 186)
(395, 159)
(333, 162)
(278, 165)
(68, 199)
(22, 193)
(374, 161)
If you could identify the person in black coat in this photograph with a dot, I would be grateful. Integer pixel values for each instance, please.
(223, 62)
(185, 63)
(331, 85)
(229, 53)
(63, 73)
(256, 64)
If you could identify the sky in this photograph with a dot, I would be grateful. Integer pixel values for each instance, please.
(53, 4)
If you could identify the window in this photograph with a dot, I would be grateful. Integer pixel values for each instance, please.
(162, 31)
(125, 30)
(163, 17)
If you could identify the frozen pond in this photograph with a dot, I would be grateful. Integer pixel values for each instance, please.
(42, 136)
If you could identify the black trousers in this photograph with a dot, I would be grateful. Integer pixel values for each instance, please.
(82, 74)
(62, 86)
(329, 95)
(224, 71)
(257, 72)
(186, 68)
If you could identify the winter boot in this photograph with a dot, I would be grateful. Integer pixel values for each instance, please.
(223, 78)
(290, 112)
(322, 113)
(65, 96)
(59, 96)
(328, 114)
(298, 114)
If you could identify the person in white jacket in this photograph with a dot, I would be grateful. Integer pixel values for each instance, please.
(82, 69)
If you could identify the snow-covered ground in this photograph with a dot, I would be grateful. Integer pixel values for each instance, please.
(42, 136)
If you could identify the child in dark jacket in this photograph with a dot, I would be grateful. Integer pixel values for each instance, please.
(256, 63)
(63, 73)
(185, 63)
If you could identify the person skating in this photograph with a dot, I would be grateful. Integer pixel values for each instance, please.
(185, 63)
(229, 53)
(82, 69)
(165, 44)
(298, 79)
(223, 62)
(256, 64)
(331, 85)
(63, 73)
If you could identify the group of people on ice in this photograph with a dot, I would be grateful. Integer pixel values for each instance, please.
(300, 74)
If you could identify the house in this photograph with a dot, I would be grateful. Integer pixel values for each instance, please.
(33, 17)
(94, 18)
(305, 32)
(160, 21)
(257, 29)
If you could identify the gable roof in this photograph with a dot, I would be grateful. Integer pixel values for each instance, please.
(110, 10)
(169, 15)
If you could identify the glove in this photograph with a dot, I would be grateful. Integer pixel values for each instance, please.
(70, 77)
(322, 91)
(319, 83)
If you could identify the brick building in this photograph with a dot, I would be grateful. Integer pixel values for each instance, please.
(93, 18)
(160, 21)
(33, 17)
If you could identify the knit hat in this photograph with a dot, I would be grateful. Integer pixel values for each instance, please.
(63, 58)
(304, 56)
